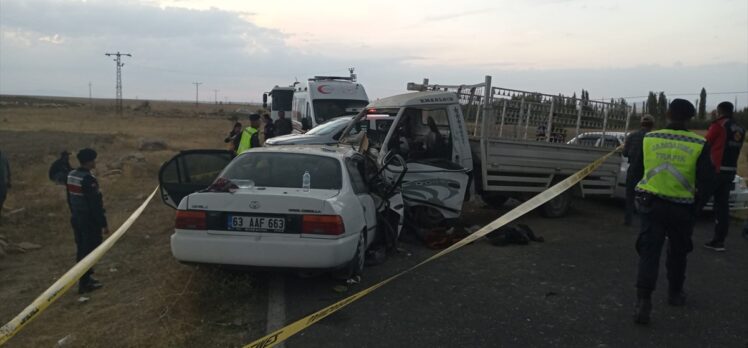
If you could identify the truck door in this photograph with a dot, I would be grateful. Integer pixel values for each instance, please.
(190, 171)
(438, 172)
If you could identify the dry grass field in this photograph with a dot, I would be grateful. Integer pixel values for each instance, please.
(148, 299)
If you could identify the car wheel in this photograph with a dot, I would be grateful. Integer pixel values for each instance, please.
(557, 207)
(355, 267)
(494, 200)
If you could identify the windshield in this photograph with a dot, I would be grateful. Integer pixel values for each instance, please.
(275, 169)
(325, 109)
(329, 127)
(281, 100)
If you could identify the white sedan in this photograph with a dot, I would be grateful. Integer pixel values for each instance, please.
(738, 195)
(260, 212)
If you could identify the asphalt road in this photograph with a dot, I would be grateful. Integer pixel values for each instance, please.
(576, 289)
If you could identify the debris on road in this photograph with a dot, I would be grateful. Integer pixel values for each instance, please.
(65, 341)
(520, 234)
(83, 299)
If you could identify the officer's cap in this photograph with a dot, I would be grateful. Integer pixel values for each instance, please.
(254, 117)
(86, 155)
(681, 109)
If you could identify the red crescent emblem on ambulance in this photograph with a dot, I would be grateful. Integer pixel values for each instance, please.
(323, 89)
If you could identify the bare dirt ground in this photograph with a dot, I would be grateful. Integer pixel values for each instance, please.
(576, 289)
(148, 298)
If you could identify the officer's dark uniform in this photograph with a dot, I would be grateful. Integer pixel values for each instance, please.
(725, 137)
(677, 180)
(632, 150)
(88, 214)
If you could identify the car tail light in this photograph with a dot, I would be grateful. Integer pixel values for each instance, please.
(322, 224)
(191, 220)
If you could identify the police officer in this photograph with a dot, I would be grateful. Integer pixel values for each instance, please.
(88, 215)
(632, 150)
(676, 181)
(725, 137)
(250, 137)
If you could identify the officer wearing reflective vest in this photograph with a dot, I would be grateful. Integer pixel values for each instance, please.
(676, 182)
(725, 137)
(250, 137)
(88, 214)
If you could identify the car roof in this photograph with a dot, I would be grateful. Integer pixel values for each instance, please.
(335, 151)
(415, 99)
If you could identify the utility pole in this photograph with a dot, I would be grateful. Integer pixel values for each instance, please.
(197, 84)
(215, 95)
(90, 96)
(119, 77)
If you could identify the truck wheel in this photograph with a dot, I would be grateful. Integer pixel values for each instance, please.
(494, 200)
(558, 206)
(355, 267)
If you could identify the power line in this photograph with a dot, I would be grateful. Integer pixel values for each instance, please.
(197, 84)
(120, 64)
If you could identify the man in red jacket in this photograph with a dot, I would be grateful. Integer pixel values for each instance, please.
(726, 138)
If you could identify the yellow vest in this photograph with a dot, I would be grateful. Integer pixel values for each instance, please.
(246, 142)
(670, 158)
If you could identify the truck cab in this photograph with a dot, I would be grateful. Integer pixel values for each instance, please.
(429, 133)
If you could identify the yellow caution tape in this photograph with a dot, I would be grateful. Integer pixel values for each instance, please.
(285, 333)
(68, 279)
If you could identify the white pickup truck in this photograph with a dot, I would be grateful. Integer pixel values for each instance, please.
(493, 141)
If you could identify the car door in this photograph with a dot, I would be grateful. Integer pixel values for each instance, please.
(190, 171)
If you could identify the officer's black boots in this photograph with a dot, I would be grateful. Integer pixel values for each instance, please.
(677, 298)
(88, 286)
(643, 307)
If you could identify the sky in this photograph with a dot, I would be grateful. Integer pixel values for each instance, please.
(239, 49)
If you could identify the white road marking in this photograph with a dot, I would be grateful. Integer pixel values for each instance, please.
(276, 318)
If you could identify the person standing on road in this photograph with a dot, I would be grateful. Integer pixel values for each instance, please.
(88, 214)
(632, 150)
(234, 136)
(58, 171)
(250, 137)
(4, 180)
(725, 137)
(678, 175)
(283, 125)
(269, 126)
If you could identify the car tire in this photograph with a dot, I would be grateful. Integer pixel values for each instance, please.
(558, 206)
(355, 267)
(494, 200)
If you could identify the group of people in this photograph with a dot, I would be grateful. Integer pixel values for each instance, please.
(241, 140)
(672, 174)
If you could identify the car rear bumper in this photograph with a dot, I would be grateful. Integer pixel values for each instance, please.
(262, 250)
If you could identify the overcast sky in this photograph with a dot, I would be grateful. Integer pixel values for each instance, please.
(242, 48)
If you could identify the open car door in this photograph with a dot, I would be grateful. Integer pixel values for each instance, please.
(190, 171)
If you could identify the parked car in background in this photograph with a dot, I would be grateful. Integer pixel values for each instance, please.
(738, 195)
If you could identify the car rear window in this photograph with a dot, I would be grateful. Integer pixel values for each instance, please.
(274, 169)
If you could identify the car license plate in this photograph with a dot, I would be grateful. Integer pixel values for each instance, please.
(256, 223)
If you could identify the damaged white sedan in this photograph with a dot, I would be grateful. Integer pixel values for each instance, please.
(317, 207)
